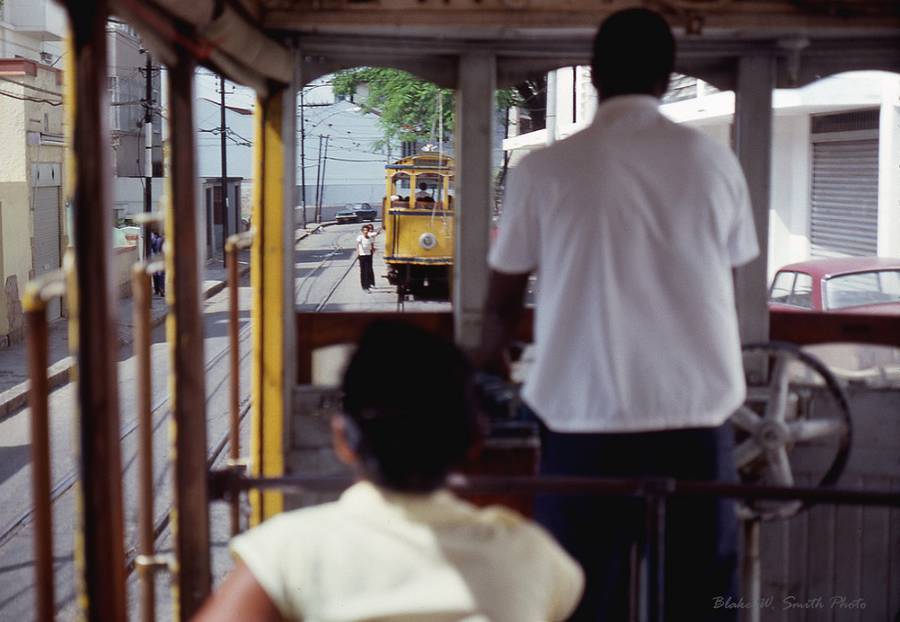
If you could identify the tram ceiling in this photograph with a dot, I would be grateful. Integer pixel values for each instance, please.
(257, 42)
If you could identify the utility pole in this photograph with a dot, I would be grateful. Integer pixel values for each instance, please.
(222, 136)
(303, 155)
(318, 177)
(148, 148)
(324, 163)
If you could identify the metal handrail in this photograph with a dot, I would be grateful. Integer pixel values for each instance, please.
(233, 244)
(38, 293)
(654, 491)
(147, 562)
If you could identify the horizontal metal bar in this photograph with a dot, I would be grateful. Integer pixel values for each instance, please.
(148, 218)
(152, 563)
(239, 240)
(154, 266)
(40, 290)
(588, 485)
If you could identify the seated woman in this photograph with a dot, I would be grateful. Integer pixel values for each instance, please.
(397, 545)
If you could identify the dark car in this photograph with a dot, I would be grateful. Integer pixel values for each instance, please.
(864, 285)
(356, 212)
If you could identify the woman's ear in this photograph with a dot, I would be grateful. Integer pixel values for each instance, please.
(339, 441)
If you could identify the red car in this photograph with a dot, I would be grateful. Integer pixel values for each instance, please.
(866, 285)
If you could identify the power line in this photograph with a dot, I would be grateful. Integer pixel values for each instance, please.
(28, 86)
(30, 99)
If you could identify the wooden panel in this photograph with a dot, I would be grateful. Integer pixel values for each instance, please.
(809, 328)
(841, 552)
(319, 330)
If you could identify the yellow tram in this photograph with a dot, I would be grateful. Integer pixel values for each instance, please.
(419, 223)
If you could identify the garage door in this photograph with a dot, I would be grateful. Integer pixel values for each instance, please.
(844, 197)
(45, 248)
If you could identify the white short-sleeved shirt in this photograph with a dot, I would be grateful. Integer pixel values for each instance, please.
(633, 226)
(374, 555)
(364, 244)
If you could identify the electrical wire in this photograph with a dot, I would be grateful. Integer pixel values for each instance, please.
(30, 99)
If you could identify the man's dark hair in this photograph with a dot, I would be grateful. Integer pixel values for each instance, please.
(634, 53)
(409, 405)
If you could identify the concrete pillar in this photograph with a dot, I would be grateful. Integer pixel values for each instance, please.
(474, 136)
(753, 144)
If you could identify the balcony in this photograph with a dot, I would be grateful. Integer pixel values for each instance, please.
(42, 19)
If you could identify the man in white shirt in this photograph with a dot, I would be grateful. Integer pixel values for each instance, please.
(632, 226)
(365, 251)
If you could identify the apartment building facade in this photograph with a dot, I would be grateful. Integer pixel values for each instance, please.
(32, 217)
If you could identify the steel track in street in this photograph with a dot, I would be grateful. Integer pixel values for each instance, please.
(69, 480)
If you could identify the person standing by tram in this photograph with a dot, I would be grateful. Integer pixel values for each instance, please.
(365, 250)
(636, 368)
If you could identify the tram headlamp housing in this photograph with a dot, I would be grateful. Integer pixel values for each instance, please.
(427, 241)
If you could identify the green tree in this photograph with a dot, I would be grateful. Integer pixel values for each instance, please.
(409, 108)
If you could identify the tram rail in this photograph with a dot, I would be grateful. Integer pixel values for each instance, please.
(65, 483)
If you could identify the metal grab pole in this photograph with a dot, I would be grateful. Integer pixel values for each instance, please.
(37, 293)
(145, 563)
(232, 246)
(752, 570)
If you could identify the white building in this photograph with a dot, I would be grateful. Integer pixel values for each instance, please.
(835, 155)
(127, 98)
(32, 226)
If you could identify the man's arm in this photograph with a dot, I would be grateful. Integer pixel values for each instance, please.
(502, 312)
(239, 598)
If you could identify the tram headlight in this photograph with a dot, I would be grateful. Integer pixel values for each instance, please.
(427, 241)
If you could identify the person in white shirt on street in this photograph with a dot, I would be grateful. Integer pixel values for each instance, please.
(365, 251)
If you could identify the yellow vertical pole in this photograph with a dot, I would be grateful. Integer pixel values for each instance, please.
(272, 282)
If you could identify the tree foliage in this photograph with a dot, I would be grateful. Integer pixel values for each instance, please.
(409, 108)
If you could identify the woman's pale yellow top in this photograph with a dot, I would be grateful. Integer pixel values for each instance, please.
(374, 555)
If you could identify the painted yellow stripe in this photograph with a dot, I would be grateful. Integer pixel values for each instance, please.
(268, 329)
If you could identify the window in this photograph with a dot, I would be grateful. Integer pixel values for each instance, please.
(801, 296)
(863, 288)
(781, 287)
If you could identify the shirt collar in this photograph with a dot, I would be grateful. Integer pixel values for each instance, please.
(625, 107)
(440, 506)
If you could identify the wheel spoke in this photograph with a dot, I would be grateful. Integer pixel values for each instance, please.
(780, 467)
(745, 419)
(778, 388)
(746, 452)
(809, 430)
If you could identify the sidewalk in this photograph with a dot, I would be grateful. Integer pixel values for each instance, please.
(14, 359)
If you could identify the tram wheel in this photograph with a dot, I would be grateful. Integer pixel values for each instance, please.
(779, 416)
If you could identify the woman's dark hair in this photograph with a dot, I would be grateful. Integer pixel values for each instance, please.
(634, 53)
(409, 406)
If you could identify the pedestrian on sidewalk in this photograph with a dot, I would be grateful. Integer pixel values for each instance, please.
(159, 278)
(365, 250)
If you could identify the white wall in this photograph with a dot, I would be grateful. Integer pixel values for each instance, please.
(790, 200)
(889, 170)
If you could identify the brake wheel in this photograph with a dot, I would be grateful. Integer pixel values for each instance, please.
(779, 415)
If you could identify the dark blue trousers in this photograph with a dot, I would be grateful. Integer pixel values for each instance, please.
(600, 531)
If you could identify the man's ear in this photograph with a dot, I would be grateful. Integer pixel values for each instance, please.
(339, 441)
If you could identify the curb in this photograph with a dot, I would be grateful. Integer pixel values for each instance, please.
(60, 373)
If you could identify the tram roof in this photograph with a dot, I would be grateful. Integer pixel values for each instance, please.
(258, 41)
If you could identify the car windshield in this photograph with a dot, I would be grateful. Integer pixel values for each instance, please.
(862, 288)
